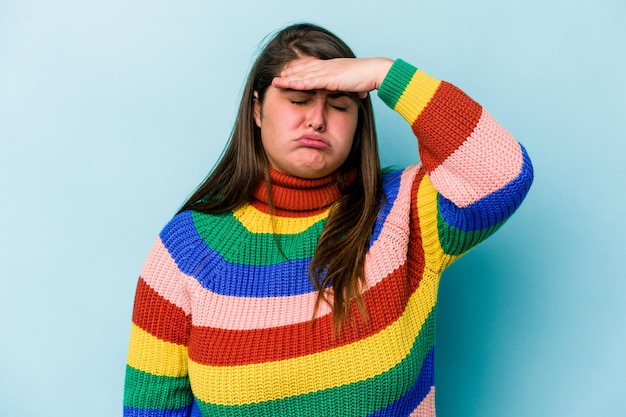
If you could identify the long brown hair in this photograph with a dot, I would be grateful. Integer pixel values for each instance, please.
(338, 262)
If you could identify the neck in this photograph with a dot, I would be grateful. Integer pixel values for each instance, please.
(294, 194)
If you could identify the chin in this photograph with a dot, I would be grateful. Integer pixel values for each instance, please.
(312, 173)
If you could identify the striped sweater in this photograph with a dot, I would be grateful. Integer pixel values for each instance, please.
(222, 316)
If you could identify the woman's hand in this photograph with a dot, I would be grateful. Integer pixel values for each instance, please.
(354, 75)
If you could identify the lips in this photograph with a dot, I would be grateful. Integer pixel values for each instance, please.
(311, 140)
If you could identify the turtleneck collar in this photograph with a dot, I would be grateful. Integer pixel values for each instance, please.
(302, 194)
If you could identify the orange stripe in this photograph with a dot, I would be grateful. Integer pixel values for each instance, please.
(416, 259)
(159, 317)
(436, 122)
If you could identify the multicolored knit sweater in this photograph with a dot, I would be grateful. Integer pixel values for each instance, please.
(222, 316)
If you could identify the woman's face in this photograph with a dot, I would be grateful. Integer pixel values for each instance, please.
(306, 134)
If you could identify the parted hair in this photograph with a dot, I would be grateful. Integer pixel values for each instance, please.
(337, 267)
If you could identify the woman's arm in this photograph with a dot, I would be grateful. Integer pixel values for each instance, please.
(475, 173)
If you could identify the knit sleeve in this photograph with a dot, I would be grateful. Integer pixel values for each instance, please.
(476, 174)
(157, 382)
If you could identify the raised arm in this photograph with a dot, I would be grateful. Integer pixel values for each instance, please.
(476, 173)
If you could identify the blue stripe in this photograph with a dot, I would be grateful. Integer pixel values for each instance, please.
(391, 187)
(194, 258)
(284, 279)
(169, 412)
(404, 405)
(195, 410)
(493, 208)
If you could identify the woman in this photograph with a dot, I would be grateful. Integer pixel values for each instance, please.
(299, 279)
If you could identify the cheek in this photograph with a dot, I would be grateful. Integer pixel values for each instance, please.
(346, 128)
(275, 116)
(286, 120)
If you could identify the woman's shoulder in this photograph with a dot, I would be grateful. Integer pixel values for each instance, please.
(190, 236)
(393, 174)
(188, 225)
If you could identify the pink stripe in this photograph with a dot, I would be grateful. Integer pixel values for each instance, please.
(380, 261)
(225, 312)
(221, 311)
(162, 275)
(488, 160)
(427, 406)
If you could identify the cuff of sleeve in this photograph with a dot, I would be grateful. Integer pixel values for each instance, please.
(407, 90)
(395, 82)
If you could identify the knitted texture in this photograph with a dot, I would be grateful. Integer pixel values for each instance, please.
(222, 315)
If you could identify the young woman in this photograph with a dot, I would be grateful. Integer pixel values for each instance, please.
(300, 279)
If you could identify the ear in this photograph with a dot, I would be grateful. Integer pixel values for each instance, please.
(256, 110)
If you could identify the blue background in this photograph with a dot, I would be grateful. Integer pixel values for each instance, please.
(112, 112)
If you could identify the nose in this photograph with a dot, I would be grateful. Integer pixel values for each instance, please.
(316, 115)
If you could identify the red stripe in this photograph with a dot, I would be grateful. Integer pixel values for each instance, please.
(415, 259)
(444, 124)
(159, 317)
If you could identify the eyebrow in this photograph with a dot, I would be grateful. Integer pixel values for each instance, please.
(339, 94)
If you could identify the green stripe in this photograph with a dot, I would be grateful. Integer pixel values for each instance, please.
(227, 236)
(455, 241)
(144, 390)
(357, 399)
(394, 84)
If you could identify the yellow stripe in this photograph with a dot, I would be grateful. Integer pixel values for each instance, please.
(416, 95)
(256, 221)
(427, 209)
(367, 358)
(155, 356)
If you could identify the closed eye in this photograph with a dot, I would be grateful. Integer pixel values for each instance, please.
(297, 97)
(340, 103)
